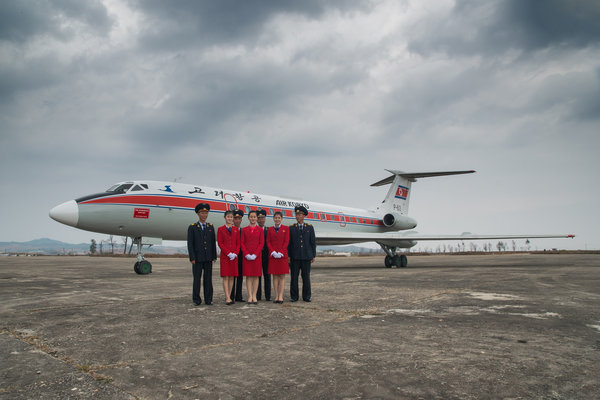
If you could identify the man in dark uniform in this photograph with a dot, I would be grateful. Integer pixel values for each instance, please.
(236, 290)
(302, 250)
(262, 218)
(202, 249)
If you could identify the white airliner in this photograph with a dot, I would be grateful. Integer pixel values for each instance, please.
(151, 211)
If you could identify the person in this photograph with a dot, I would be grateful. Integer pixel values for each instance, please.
(278, 238)
(228, 237)
(302, 250)
(253, 240)
(262, 218)
(202, 251)
(236, 290)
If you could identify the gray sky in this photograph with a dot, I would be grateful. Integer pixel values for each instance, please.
(309, 99)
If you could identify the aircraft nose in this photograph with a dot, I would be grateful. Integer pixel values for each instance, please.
(66, 213)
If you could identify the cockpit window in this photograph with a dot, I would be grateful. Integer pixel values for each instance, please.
(120, 188)
(136, 188)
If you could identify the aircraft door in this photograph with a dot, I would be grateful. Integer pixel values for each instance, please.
(231, 201)
(342, 219)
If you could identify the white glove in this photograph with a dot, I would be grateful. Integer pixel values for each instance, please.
(280, 255)
(232, 256)
(253, 257)
(274, 254)
(249, 257)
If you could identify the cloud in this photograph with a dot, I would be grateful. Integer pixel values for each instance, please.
(187, 23)
(63, 19)
(493, 28)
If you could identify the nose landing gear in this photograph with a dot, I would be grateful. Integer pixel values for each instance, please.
(142, 266)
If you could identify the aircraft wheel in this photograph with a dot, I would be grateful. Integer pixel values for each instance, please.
(145, 267)
(403, 261)
(136, 267)
(389, 261)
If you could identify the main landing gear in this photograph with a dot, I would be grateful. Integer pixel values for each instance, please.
(142, 266)
(393, 259)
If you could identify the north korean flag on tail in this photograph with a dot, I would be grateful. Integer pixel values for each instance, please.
(401, 192)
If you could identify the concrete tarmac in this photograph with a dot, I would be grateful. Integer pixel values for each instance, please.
(513, 326)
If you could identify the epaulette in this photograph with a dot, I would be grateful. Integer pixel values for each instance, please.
(294, 224)
(307, 224)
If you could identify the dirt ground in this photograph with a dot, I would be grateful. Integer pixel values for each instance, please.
(447, 327)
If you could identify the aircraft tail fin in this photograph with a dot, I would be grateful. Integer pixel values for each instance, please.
(398, 197)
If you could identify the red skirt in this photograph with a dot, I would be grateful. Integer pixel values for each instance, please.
(279, 266)
(252, 268)
(228, 267)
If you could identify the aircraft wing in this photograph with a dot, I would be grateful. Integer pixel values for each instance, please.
(408, 239)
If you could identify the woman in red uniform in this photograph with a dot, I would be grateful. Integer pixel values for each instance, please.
(278, 237)
(253, 240)
(228, 237)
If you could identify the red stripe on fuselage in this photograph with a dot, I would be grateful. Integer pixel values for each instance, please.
(190, 203)
(160, 201)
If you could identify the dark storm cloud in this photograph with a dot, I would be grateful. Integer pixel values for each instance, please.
(491, 28)
(183, 23)
(220, 101)
(22, 20)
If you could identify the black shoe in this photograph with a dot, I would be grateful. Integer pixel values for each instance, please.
(228, 303)
(208, 304)
(293, 300)
(196, 303)
(240, 300)
(306, 300)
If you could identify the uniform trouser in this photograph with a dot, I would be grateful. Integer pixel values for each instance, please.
(236, 290)
(197, 269)
(267, 279)
(300, 267)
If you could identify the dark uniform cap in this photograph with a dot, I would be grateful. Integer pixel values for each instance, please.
(238, 213)
(261, 212)
(301, 209)
(202, 207)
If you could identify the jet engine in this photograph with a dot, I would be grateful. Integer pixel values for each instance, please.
(398, 222)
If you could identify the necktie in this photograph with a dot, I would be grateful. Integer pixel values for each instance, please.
(202, 226)
(276, 229)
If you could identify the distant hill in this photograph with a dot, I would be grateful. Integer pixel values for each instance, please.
(53, 247)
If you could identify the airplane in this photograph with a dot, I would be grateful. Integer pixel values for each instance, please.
(152, 211)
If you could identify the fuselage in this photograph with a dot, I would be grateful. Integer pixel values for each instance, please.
(165, 210)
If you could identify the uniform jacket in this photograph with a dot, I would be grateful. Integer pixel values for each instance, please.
(265, 251)
(228, 242)
(278, 241)
(303, 245)
(253, 241)
(202, 245)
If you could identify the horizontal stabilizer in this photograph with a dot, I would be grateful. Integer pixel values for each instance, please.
(412, 176)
